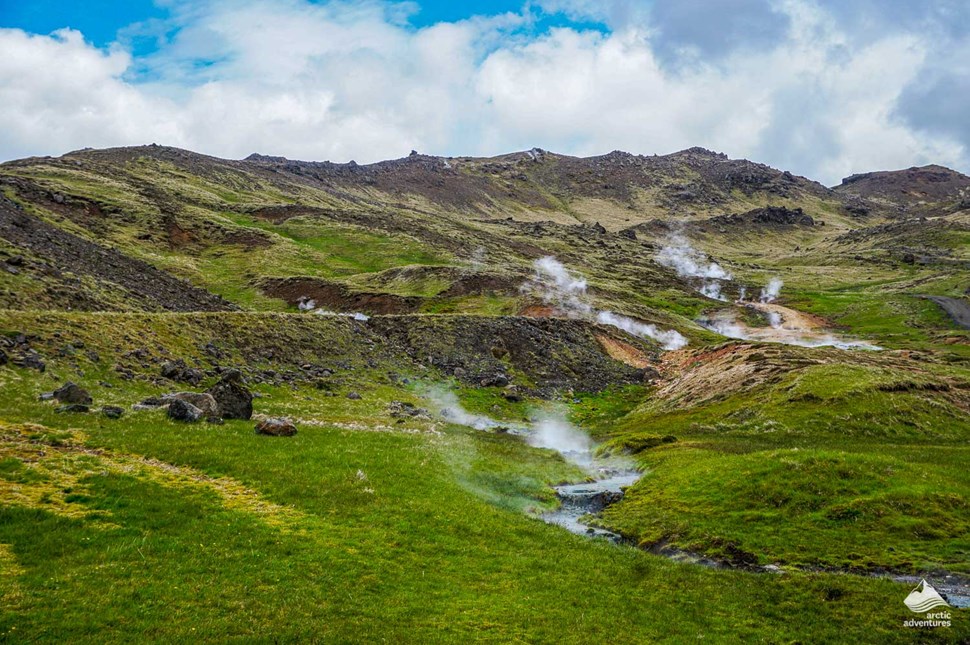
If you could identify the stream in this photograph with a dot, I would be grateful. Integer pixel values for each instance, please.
(578, 500)
(610, 477)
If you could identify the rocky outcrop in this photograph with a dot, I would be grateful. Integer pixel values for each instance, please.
(553, 353)
(333, 296)
(768, 216)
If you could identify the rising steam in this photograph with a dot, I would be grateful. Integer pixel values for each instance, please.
(558, 287)
(446, 404)
(688, 262)
(773, 289)
(553, 431)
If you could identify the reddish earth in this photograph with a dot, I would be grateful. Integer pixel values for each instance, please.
(538, 311)
(337, 297)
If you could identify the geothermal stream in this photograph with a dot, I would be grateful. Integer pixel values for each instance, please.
(786, 326)
(609, 478)
(579, 500)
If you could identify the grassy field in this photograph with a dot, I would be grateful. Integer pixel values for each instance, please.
(361, 528)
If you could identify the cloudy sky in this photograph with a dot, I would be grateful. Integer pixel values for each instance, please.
(823, 88)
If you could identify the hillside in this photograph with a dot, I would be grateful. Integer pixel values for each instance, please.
(780, 370)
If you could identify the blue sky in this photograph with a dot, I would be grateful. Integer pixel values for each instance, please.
(824, 88)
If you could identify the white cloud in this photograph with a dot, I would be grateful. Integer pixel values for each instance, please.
(353, 80)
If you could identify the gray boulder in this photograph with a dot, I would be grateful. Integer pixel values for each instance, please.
(72, 393)
(180, 410)
(202, 400)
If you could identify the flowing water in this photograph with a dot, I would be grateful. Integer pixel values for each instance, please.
(589, 498)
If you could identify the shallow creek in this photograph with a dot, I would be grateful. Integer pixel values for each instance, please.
(610, 480)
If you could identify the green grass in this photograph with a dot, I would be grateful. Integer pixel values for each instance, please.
(861, 507)
(833, 465)
(377, 536)
(363, 528)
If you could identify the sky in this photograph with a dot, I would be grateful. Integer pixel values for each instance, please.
(823, 88)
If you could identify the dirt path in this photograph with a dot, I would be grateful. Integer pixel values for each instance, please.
(957, 308)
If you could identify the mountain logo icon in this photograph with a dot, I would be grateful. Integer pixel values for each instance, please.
(924, 598)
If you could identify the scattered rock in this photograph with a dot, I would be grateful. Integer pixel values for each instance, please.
(171, 369)
(202, 400)
(499, 352)
(178, 371)
(152, 402)
(73, 408)
(276, 427)
(355, 396)
(32, 360)
(495, 380)
(234, 399)
(180, 410)
(112, 411)
(72, 393)
(403, 410)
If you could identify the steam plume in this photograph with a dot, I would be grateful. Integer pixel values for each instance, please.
(554, 432)
(688, 262)
(679, 255)
(558, 287)
(772, 290)
(446, 404)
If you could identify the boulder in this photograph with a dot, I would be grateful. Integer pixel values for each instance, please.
(276, 427)
(171, 369)
(72, 393)
(202, 400)
(180, 410)
(192, 376)
(3, 357)
(354, 396)
(234, 399)
(112, 411)
(495, 380)
(177, 370)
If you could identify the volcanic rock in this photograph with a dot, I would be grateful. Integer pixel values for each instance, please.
(276, 427)
(112, 411)
(180, 410)
(234, 399)
(72, 393)
(202, 400)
